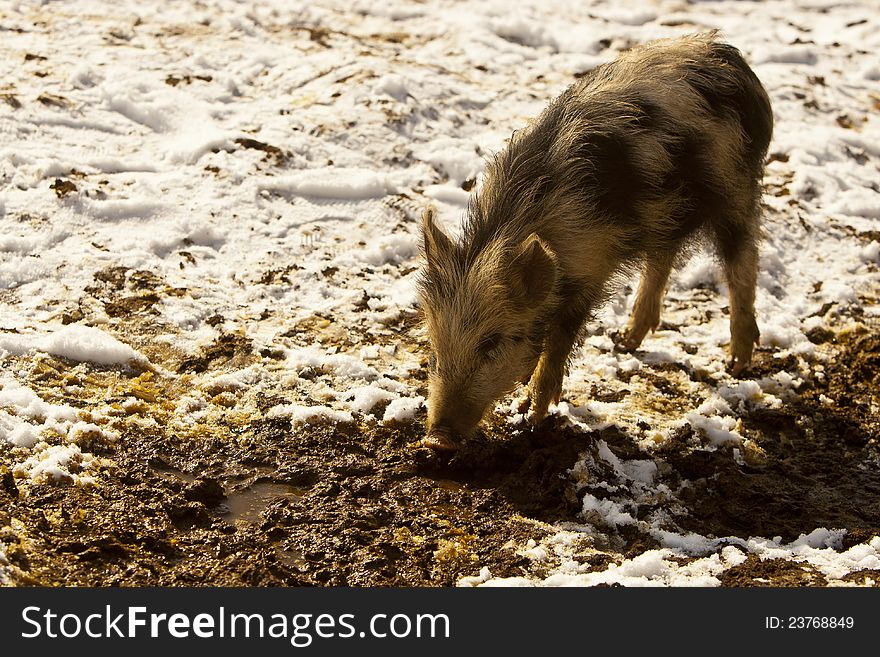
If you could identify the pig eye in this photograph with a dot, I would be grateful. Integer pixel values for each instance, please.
(489, 343)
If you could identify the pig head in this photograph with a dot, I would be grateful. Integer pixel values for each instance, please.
(486, 313)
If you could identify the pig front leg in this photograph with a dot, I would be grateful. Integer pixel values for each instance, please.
(545, 386)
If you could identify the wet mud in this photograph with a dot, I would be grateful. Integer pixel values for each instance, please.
(262, 502)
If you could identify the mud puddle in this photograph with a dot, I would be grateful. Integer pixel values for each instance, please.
(245, 506)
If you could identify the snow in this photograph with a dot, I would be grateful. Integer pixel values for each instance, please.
(718, 429)
(403, 409)
(230, 381)
(58, 462)
(31, 425)
(5, 567)
(349, 367)
(300, 414)
(76, 342)
(364, 398)
(307, 246)
(663, 567)
(458, 159)
(640, 472)
(391, 249)
(332, 182)
(607, 511)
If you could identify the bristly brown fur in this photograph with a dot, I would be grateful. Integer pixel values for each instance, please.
(622, 171)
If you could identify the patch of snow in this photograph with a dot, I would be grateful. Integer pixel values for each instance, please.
(403, 409)
(299, 414)
(75, 342)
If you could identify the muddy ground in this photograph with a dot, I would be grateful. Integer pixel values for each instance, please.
(258, 502)
(242, 498)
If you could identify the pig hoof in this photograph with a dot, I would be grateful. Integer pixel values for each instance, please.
(537, 417)
(628, 343)
(524, 405)
(737, 367)
(440, 441)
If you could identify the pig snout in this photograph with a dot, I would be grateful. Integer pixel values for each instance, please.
(449, 425)
(441, 439)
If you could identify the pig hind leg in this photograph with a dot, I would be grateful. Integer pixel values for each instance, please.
(737, 245)
(649, 299)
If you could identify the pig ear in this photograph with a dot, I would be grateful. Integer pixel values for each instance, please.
(534, 271)
(435, 242)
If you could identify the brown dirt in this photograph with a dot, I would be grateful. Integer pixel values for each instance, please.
(814, 473)
(258, 502)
